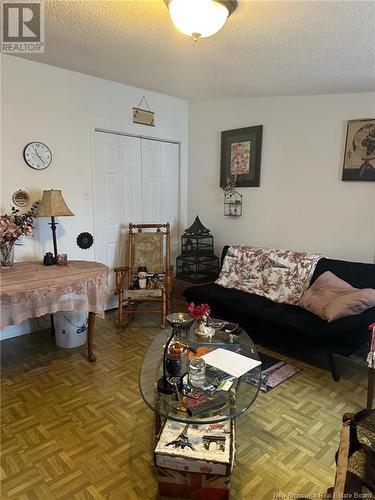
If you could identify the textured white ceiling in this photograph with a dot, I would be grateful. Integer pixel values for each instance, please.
(265, 48)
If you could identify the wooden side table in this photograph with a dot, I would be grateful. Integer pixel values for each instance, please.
(31, 290)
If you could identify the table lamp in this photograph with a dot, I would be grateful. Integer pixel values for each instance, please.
(53, 205)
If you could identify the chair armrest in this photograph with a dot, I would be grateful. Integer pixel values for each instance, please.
(121, 273)
(121, 269)
(342, 461)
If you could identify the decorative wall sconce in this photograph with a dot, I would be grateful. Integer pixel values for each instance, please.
(232, 198)
(232, 204)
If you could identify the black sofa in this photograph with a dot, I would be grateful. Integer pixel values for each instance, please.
(286, 325)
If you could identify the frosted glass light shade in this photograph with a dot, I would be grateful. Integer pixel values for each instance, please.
(198, 18)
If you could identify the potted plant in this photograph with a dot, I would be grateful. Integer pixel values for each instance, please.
(201, 314)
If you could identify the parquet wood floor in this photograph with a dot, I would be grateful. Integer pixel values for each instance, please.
(77, 430)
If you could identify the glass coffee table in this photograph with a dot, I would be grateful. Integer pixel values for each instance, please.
(236, 401)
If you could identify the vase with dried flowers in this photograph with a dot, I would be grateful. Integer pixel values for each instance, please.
(201, 314)
(230, 187)
(13, 226)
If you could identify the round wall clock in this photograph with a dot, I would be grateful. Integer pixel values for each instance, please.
(37, 155)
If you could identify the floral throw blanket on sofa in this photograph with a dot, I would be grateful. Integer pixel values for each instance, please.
(279, 275)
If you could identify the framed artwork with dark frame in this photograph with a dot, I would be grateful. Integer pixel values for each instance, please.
(241, 151)
(359, 156)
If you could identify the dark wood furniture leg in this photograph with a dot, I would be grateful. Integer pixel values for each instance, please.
(157, 425)
(52, 325)
(370, 388)
(90, 337)
(332, 365)
(120, 307)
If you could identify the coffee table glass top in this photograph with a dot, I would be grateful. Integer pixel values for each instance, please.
(241, 396)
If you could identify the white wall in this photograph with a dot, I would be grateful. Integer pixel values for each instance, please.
(301, 203)
(56, 106)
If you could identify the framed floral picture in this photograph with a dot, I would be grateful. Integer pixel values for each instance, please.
(241, 151)
(359, 157)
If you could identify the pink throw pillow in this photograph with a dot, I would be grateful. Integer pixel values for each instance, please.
(332, 298)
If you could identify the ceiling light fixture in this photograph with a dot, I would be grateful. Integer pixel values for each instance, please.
(200, 18)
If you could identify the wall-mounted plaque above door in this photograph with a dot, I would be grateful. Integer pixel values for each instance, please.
(144, 116)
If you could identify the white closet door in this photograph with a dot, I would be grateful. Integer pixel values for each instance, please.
(134, 180)
(160, 161)
(117, 195)
(170, 191)
(151, 181)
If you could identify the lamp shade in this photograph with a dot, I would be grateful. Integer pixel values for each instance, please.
(53, 204)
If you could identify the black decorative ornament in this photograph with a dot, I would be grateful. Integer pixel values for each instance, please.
(85, 240)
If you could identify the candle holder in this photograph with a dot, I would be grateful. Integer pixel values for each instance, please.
(179, 322)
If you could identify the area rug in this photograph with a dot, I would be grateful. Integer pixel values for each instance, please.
(275, 372)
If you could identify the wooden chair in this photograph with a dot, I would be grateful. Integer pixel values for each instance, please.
(343, 487)
(149, 246)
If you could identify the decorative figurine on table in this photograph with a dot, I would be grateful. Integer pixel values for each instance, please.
(62, 259)
(140, 283)
(201, 314)
(49, 259)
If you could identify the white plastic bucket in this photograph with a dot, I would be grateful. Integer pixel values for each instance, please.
(70, 328)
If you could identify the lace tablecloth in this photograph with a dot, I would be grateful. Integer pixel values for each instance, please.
(30, 289)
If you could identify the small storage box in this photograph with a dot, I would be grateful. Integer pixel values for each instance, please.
(177, 484)
(195, 461)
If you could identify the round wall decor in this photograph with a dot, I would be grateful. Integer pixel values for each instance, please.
(37, 155)
(21, 198)
(85, 240)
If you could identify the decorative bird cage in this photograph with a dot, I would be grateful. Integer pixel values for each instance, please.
(232, 203)
(197, 262)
